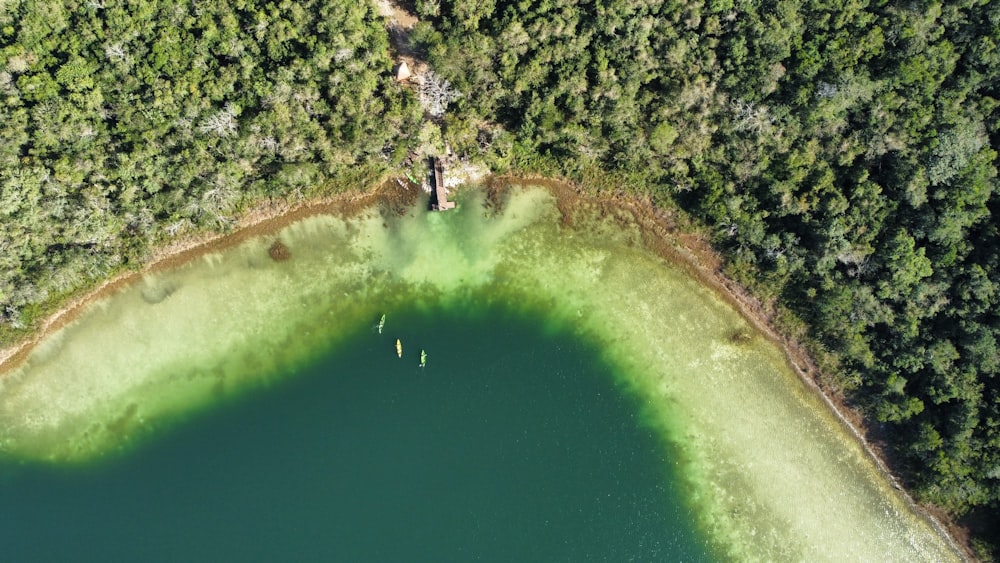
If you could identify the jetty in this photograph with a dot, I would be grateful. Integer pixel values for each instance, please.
(439, 196)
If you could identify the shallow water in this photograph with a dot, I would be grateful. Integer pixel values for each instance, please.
(509, 445)
(767, 469)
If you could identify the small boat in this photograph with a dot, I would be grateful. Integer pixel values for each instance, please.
(399, 348)
(381, 324)
(423, 358)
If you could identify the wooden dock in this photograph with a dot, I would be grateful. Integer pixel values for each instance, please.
(439, 197)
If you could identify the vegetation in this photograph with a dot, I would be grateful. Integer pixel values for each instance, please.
(128, 122)
(843, 154)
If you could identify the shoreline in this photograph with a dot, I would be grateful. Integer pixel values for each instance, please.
(662, 234)
(267, 218)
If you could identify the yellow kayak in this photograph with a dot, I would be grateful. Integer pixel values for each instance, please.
(399, 348)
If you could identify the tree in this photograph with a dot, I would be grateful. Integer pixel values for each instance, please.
(436, 93)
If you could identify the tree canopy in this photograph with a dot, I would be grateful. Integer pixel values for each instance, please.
(127, 122)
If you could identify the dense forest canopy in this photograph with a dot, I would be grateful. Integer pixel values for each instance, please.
(842, 154)
(123, 123)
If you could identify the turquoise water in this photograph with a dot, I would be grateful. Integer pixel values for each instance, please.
(512, 444)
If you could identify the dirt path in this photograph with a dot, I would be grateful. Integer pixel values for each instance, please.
(399, 24)
(397, 15)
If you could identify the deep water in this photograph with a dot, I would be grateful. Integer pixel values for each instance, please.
(512, 444)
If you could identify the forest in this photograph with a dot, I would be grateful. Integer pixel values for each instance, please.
(126, 124)
(842, 156)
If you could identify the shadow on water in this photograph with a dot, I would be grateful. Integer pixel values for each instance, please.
(512, 444)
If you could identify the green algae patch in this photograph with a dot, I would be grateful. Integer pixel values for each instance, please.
(768, 469)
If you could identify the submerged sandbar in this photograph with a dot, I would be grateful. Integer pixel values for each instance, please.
(771, 472)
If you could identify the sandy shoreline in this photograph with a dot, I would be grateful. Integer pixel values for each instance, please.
(662, 233)
(265, 219)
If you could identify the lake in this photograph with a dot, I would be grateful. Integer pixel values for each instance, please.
(584, 398)
(510, 444)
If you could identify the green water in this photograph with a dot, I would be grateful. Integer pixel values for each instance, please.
(510, 445)
(767, 471)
